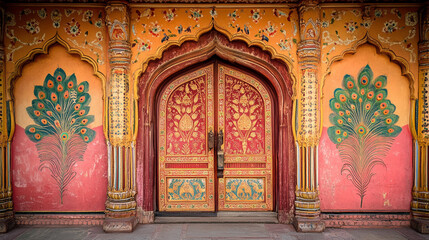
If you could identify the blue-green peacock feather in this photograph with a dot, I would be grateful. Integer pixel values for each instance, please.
(363, 126)
(61, 133)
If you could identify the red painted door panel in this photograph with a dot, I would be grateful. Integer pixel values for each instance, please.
(191, 106)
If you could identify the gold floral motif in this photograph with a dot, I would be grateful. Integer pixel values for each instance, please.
(186, 118)
(245, 121)
(186, 123)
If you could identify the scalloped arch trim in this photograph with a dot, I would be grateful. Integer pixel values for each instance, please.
(402, 62)
(45, 50)
(212, 26)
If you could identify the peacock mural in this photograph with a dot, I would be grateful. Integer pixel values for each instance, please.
(363, 128)
(60, 130)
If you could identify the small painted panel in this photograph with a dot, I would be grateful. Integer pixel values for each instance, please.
(244, 120)
(185, 166)
(244, 189)
(186, 189)
(186, 118)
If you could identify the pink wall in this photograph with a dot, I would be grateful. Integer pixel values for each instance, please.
(35, 190)
(389, 189)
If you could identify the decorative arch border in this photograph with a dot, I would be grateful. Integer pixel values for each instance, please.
(401, 61)
(213, 26)
(178, 58)
(19, 65)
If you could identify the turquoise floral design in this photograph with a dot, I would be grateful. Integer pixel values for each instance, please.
(32, 26)
(233, 15)
(255, 15)
(351, 26)
(155, 29)
(195, 14)
(73, 28)
(169, 14)
(42, 13)
(390, 26)
(270, 29)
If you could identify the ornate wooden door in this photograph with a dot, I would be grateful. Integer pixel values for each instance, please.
(244, 115)
(203, 118)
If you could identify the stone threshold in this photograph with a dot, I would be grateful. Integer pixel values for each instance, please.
(219, 217)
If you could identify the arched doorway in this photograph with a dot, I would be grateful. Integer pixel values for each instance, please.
(215, 141)
(270, 73)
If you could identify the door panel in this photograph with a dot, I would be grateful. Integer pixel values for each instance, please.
(186, 170)
(245, 118)
(236, 104)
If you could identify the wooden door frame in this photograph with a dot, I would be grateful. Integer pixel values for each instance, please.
(235, 53)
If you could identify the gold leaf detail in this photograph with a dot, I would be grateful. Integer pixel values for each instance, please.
(243, 100)
(186, 123)
(186, 100)
(244, 123)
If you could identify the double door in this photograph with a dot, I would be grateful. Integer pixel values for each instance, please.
(215, 142)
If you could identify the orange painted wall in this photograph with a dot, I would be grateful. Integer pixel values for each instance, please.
(35, 189)
(152, 30)
(30, 27)
(390, 187)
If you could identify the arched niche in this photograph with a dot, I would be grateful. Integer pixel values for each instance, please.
(34, 187)
(177, 58)
(390, 179)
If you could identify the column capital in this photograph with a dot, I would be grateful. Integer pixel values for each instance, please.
(309, 51)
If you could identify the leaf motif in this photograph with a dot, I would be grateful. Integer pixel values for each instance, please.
(60, 113)
(363, 126)
(253, 108)
(193, 86)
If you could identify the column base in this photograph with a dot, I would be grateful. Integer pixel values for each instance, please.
(420, 225)
(7, 224)
(308, 224)
(119, 224)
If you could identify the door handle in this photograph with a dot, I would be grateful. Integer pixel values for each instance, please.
(211, 140)
(220, 154)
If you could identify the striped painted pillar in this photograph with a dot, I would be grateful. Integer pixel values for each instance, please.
(7, 220)
(420, 202)
(307, 120)
(120, 204)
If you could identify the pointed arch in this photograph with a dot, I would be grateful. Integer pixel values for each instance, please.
(213, 27)
(176, 59)
(45, 50)
(402, 62)
(10, 82)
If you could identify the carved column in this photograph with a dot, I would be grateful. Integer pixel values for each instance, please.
(420, 202)
(7, 220)
(307, 204)
(120, 204)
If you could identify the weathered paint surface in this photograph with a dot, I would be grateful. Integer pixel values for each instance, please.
(390, 187)
(36, 190)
